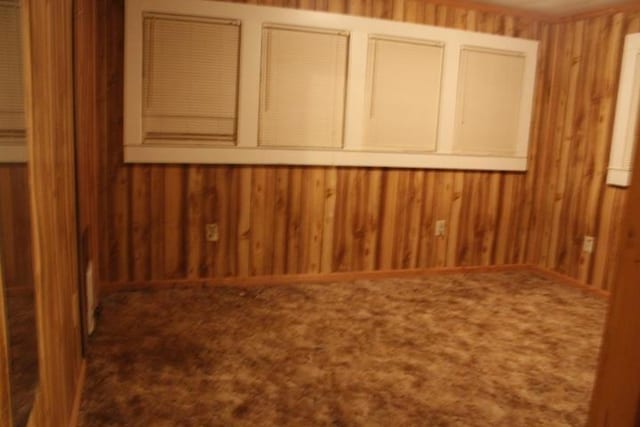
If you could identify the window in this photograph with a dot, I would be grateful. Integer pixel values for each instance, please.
(12, 119)
(402, 94)
(625, 129)
(190, 83)
(227, 83)
(303, 87)
(490, 94)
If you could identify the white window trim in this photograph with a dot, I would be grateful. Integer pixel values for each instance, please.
(14, 151)
(247, 150)
(620, 171)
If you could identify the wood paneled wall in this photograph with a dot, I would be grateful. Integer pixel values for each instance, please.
(50, 130)
(275, 220)
(616, 396)
(571, 198)
(5, 379)
(15, 226)
(285, 220)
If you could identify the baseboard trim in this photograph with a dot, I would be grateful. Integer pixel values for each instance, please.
(288, 279)
(75, 411)
(570, 281)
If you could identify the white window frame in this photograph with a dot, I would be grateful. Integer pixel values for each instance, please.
(13, 150)
(353, 152)
(625, 126)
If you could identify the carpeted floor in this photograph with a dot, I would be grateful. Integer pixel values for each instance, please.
(493, 349)
(23, 352)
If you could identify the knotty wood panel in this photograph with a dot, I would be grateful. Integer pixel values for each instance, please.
(276, 220)
(86, 116)
(616, 396)
(570, 196)
(50, 129)
(5, 383)
(15, 226)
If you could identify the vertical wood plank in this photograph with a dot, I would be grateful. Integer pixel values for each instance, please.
(49, 107)
(331, 178)
(195, 220)
(174, 248)
(259, 222)
(280, 223)
(244, 210)
(386, 245)
(617, 389)
(224, 184)
(294, 245)
(455, 182)
(371, 218)
(140, 238)
(5, 361)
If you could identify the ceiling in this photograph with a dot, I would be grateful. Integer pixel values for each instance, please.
(555, 7)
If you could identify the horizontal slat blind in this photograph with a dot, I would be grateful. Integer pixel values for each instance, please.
(403, 94)
(11, 84)
(489, 98)
(190, 78)
(633, 130)
(303, 87)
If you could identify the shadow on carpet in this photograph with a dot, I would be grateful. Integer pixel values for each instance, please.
(506, 349)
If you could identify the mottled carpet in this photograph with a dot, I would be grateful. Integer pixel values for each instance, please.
(491, 349)
(23, 353)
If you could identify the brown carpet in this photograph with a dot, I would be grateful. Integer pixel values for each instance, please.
(505, 349)
(23, 352)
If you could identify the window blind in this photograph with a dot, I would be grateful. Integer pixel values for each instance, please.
(303, 87)
(403, 94)
(12, 121)
(190, 78)
(489, 97)
(634, 128)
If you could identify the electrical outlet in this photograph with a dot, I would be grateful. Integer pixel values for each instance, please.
(441, 227)
(589, 242)
(212, 232)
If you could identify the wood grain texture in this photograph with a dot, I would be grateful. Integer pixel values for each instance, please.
(616, 396)
(15, 226)
(289, 279)
(50, 130)
(296, 220)
(570, 198)
(5, 395)
(86, 117)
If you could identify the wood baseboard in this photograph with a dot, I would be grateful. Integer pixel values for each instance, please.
(75, 411)
(288, 279)
(569, 281)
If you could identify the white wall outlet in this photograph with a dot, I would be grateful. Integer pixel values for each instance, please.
(441, 227)
(212, 232)
(589, 242)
